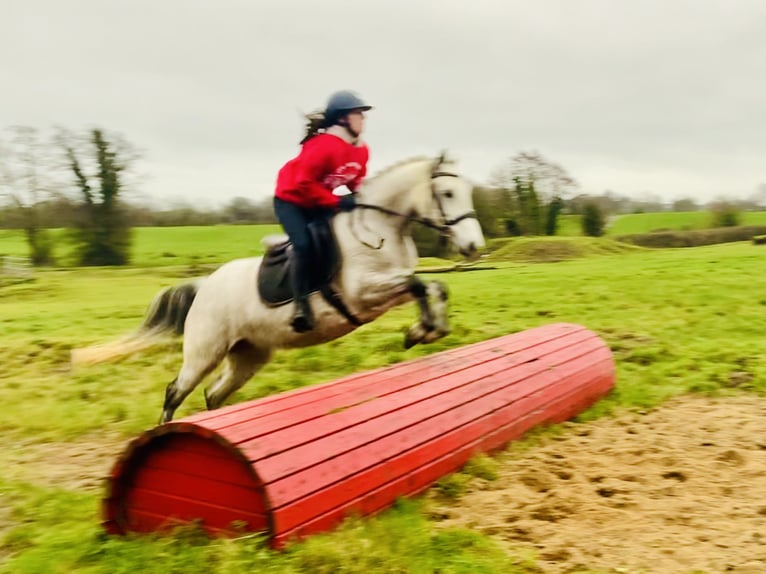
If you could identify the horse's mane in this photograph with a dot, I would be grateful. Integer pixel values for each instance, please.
(400, 163)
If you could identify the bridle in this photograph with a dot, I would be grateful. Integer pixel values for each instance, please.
(444, 227)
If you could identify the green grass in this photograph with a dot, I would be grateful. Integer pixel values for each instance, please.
(163, 246)
(570, 225)
(647, 222)
(678, 321)
(211, 245)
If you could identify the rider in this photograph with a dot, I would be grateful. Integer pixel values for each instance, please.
(332, 155)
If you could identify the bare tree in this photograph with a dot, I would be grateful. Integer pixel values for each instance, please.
(530, 195)
(27, 180)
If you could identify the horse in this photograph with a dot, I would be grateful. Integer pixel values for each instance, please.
(222, 316)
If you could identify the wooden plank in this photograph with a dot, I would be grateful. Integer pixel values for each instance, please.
(417, 443)
(189, 509)
(267, 405)
(184, 441)
(209, 490)
(426, 475)
(246, 430)
(342, 425)
(233, 470)
(446, 395)
(309, 492)
(334, 446)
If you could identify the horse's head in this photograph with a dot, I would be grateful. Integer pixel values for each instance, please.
(431, 192)
(447, 203)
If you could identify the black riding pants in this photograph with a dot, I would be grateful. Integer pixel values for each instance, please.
(295, 221)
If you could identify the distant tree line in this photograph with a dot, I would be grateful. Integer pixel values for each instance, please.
(83, 182)
(65, 211)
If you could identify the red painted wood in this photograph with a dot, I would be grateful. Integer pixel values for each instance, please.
(303, 436)
(413, 447)
(185, 508)
(217, 492)
(301, 406)
(275, 403)
(298, 462)
(452, 391)
(425, 475)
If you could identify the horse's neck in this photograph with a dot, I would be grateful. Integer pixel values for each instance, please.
(380, 240)
(396, 190)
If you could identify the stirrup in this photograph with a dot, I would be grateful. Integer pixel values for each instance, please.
(303, 319)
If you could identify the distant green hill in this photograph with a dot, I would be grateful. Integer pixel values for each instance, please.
(569, 225)
(550, 249)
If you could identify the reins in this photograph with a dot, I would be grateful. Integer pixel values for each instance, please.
(443, 228)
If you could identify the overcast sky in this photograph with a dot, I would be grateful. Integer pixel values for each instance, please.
(637, 96)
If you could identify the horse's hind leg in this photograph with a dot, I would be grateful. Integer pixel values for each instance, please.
(243, 361)
(197, 365)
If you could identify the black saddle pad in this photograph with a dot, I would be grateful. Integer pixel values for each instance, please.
(274, 275)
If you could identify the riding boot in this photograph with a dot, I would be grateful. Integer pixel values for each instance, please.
(303, 318)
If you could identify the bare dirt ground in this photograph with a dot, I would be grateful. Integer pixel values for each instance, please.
(79, 465)
(678, 489)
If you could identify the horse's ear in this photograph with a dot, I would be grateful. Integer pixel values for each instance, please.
(440, 160)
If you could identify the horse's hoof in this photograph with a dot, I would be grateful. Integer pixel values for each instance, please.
(414, 336)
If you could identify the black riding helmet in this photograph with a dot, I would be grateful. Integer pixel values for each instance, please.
(341, 103)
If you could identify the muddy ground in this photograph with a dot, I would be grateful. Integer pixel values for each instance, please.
(678, 489)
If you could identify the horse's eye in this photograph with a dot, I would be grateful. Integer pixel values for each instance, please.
(448, 194)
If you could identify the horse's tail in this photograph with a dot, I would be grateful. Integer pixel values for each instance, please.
(166, 315)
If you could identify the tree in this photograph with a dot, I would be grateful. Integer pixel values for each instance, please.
(549, 179)
(534, 184)
(552, 215)
(485, 202)
(244, 210)
(103, 232)
(26, 180)
(725, 213)
(592, 220)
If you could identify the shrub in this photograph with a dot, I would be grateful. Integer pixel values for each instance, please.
(694, 238)
(592, 220)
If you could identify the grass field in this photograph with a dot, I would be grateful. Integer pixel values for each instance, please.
(678, 321)
(210, 245)
(570, 225)
(165, 246)
(647, 222)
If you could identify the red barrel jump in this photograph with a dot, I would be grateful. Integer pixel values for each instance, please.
(298, 462)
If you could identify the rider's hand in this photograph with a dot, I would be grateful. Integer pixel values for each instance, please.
(347, 202)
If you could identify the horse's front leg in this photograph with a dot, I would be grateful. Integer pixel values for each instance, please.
(433, 323)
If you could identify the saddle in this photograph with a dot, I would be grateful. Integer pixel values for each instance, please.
(274, 274)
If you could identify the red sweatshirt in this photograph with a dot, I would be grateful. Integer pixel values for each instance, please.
(325, 162)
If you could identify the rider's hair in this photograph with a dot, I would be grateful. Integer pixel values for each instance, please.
(316, 122)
